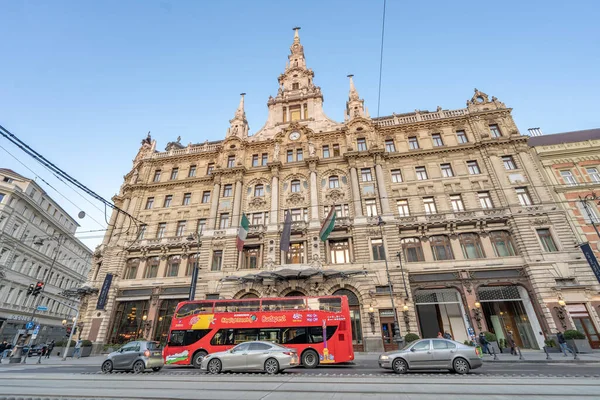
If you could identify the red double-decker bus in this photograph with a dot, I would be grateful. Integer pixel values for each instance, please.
(317, 327)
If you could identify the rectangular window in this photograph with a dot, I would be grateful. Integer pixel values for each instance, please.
(462, 137)
(325, 151)
(339, 251)
(336, 150)
(149, 203)
(334, 182)
(255, 160)
(341, 210)
(209, 168)
(371, 206)
(470, 245)
(205, 197)
(495, 131)
(227, 190)
(142, 232)
(403, 209)
(187, 199)
(413, 143)
(295, 186)
(390, 147)
(446, 170)
(421, 173)
(2, 197)
(429, 205)
(365, 175)
(224, 221)
(396, 176)
(156, 176)
(259, 190)
(257, 219)
(509, 163)
(485, 200)
(299, 155)
(162, 229)
(441, 248)
(412, 249)
(200, 226)
(473, 167)
(250, 257)
(377, 249)
(547, 240)
(437, 140)
(192, 171)
(265, 159)
(230, 161)
(593, 174)
(217, 260)
(180, 228)
(568, 178)
(502, 243)
(174, 173)
(361, 144)
(296, 254)
(523, 195)
(457, 203)
(168, 200)
(290, 156)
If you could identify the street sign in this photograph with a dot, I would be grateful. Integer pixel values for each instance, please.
(29, 325)
(35, 332)
(42, 308)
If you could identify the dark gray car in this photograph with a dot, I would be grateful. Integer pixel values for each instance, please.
(432, 354)
(135, 356)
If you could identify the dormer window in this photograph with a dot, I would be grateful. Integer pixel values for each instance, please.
(295, 86)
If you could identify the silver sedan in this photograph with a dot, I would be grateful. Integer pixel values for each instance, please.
(432, 354)
(251, 356)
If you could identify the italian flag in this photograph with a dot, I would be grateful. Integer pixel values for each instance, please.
(328, 224)
(242, 232)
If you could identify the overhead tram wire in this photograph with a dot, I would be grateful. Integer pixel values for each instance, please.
(48, 164)
(381, 59)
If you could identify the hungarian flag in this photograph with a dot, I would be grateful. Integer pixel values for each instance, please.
(286, 234)
(328, 224)
(242, 232)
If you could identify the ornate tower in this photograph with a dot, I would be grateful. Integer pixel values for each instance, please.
(238, 126)
(355, 106)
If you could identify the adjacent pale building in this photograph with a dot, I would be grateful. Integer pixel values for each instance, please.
(474, 238)
(31, 223)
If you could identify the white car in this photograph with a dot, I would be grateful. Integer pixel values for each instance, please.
(251, 356)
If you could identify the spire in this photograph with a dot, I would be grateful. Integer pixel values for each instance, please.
(238, 126)
(296, 35)
(355, 106)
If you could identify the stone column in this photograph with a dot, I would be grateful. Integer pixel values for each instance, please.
(383, 195)
(355, 193)
(237, 203)
(274, 215)
(314, 195)
(214, 205)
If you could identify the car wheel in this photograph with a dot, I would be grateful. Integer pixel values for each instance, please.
(107, 367)
(214, 366)
(138, 367)
(271, 366)
(198, 357)
(310, 359)
(461, 366)
(156, 369)
(400, 366)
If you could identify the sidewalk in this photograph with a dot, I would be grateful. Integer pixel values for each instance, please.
(529, 356)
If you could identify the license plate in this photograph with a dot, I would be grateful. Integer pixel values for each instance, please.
(158, 354)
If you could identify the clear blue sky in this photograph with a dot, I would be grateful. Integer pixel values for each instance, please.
(84, 81)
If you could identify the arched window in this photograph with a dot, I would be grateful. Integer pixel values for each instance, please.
(334, 182)
(152, 267)
(471, 245)
(132, 267)
(259, 190)
(173, 266)
(249, 296)
(502, 243)
(295, 293)
(295, 186)
(413, 252)
(441, 248)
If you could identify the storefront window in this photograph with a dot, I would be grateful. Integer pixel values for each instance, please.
(128, 322)
(165, 314)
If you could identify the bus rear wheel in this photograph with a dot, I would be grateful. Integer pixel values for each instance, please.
(310, 359)
(197, 358)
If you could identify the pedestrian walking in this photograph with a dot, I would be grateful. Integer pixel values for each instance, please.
(484, 343)
(3, 347)
(562, 342)
(447, 335)
(440, 336)
(77, 352)
(511, 342)
(50, 348)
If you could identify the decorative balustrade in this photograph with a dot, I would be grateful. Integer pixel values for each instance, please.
(254, 230)
(343, 222)
(187, 150)
(420, 116)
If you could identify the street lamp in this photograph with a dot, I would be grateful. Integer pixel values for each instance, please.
(191, 238)
(397, 337)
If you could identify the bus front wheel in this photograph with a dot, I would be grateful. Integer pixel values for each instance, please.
(310, 359)
(198, 357)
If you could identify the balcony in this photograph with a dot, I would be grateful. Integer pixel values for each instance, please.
(343, 222)
(256, 230)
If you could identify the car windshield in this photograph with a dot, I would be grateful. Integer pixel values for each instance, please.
(153, 346)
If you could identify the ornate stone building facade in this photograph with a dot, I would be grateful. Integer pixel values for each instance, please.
(469, 229)
(571, 161)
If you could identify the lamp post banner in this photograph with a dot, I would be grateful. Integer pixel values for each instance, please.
(103, 297)
(591, 259)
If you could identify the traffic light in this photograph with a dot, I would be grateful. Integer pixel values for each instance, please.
(68, 331)
(38, 288)
(30, 289)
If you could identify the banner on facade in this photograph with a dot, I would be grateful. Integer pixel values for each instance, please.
(104, 292)
(591, 259)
